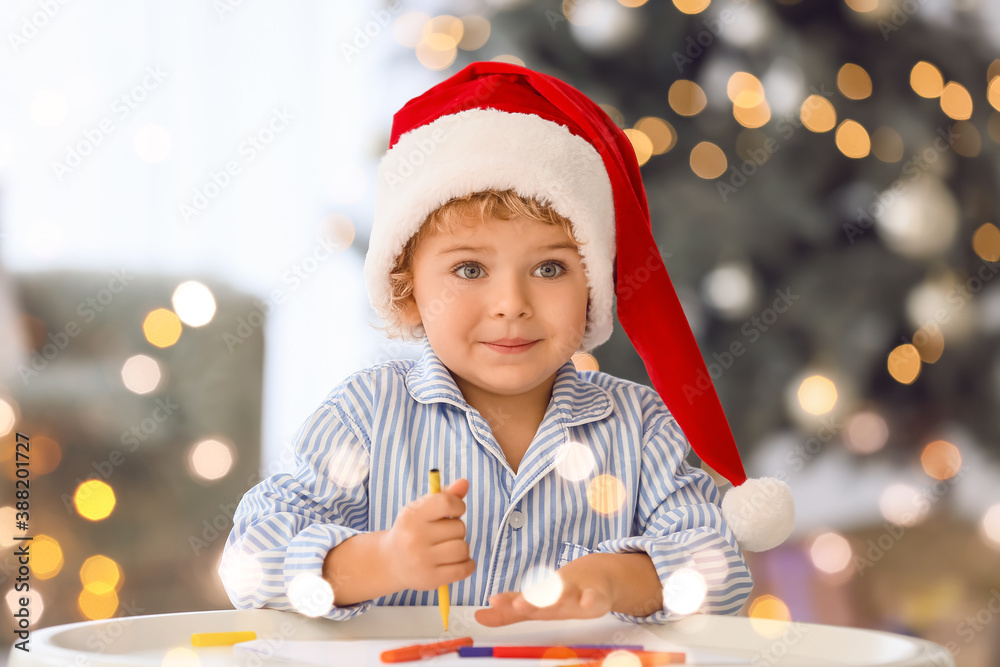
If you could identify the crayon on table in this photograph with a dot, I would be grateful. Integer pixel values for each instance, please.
(444, 597)
(551, 652)
(646, 659)
(221, 638)
(421, 651)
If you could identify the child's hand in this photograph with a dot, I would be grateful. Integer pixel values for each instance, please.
(586, 593)
(425, 548)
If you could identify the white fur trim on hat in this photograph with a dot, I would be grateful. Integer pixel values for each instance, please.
(478, 149)
(760, 512)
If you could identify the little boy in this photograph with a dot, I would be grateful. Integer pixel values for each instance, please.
(509, 214)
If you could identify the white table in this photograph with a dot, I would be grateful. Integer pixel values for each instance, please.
(146, 640)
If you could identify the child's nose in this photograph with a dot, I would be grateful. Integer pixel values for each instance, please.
(512, 297)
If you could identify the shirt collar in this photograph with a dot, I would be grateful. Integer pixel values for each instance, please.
(575, 401)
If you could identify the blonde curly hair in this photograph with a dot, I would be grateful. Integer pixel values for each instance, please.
(498, 204)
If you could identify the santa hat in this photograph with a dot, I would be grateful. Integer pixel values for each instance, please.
(501, 126)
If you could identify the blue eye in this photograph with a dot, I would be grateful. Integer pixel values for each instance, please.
(461, 267)
(458, 270)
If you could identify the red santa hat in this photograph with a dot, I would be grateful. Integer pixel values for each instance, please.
(502, 126)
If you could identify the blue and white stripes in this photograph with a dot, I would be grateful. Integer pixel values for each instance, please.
(605, 472)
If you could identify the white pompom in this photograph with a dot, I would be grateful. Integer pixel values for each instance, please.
(760, 512)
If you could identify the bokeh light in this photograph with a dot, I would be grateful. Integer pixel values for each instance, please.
(36, 604)
(606, 494)
(46, 454)
(755, 116)
(903, 505)
(956, 101)
(887, 144)
(926, 80)
(993, 93)
(311, 595)
(769, 608)
(94, 500)
(194, 303)
(475, 33)
(542, 587)
(854, 82)
(641, 144)
(684, 591)
(94, 605)
(817, 394)
(852, 139)
(210, 459)
(904, 364)
(141, 374)
(162, 327)
(7, 518)
(576, 461)
(659, 131)
(707, 160)
(866, 432)
(348, 467)
(7, 417)
(46, 557)
(989, 527)
(929, 342)
(686, 97)
(180, 656)
(745, 90)
(985, 241)
(408, 28)
(101, 574)
(692, 6)
(730, 289)
(241, 572)
(817, 114)
(941, 459)
(830, 553)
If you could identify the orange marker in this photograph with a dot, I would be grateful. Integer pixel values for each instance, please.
(421, 651)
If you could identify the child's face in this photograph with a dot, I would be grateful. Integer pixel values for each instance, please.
(513, 287)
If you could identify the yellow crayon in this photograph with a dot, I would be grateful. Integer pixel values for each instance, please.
(221, 638)
(444, 597)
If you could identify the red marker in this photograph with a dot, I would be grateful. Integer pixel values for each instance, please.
(646, 659)
(421, 651)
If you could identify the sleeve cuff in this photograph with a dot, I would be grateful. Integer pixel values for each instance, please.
(305, 555)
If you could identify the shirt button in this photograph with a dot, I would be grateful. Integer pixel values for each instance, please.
(516, 519)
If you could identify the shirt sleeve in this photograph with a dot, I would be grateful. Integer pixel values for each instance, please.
(679, 524)
(284, 527)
